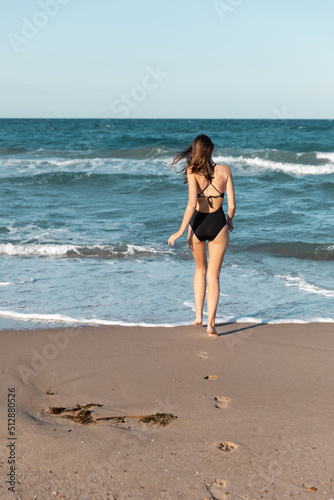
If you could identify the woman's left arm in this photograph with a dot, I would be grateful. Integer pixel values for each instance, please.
(189, 211)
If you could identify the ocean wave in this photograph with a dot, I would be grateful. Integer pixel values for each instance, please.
(296, 249)
(305, 286)
(263, 164)
(326, 156)
(79, 251)
(139, 153)
(123, 177)
(59, 177)
(269, 158)
(55, 169)
(135, 153)
(157, 159)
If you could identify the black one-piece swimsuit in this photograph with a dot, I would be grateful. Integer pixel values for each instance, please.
(207, 226)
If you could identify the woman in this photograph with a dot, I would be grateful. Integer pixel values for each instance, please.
(207, 183)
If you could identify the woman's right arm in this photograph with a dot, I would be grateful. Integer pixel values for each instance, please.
(230, 200)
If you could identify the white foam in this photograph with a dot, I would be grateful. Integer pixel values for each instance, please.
(59, 318)
(299, 321)
(191, 306)
(132, 249)
(239, 319)
(249, 319)
(14, 166)
(305, 286)
(49, 250)
(264, 321)
(326, 156)
(322, 320)
(287, 321)
(54, 250)
(6, 283)
(289, 168)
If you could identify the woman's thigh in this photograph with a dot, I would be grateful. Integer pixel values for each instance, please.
(217, 249)
(197, 248)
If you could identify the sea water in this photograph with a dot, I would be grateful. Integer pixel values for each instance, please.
(87, 207)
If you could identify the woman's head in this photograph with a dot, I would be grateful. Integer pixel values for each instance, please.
(198, 157)
(201, 149)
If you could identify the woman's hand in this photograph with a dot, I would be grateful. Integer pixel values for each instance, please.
(174, 237)
(229, 224)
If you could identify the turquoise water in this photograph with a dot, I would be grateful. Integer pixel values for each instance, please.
(88, 206)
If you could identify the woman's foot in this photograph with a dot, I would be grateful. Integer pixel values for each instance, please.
(212, 332)
(198, 320)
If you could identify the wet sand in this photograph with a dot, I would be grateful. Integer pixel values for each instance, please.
(254, 412)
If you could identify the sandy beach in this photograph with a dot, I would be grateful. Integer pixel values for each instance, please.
(254, 412)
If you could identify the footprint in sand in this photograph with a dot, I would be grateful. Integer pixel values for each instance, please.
(202, 355)
(216, 488)
(228, 446)
(50, 392)
(221, 401)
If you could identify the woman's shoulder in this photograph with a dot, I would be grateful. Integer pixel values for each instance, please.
(223, 169)
(191, 176)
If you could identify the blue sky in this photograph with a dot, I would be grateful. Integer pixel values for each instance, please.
(159, 59)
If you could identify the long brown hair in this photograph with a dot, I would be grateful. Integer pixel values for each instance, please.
(198, 157)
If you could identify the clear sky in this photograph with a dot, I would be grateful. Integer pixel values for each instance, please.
(167, 59)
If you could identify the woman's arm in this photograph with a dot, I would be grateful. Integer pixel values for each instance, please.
(189, 211)
(230, 200)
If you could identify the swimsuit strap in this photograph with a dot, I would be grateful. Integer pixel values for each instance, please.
(209, 198)
(214, 187)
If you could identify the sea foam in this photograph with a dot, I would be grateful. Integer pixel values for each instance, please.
(306, 287)
(78, 251)
(298, 169)
(59, 318)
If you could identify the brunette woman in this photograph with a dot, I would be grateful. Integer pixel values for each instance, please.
(207, 183)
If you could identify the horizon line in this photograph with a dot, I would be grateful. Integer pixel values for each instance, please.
(138, 118)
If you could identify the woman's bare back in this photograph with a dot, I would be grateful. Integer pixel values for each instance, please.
(212, 190)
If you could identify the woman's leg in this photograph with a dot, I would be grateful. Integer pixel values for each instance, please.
(197, 248)
(217, 249)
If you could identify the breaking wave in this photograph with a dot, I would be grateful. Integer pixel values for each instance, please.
(79, 251)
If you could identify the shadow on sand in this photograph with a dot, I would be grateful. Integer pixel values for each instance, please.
(236, 330)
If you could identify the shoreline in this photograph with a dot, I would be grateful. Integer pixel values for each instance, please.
(261, 428)
(69, 322)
